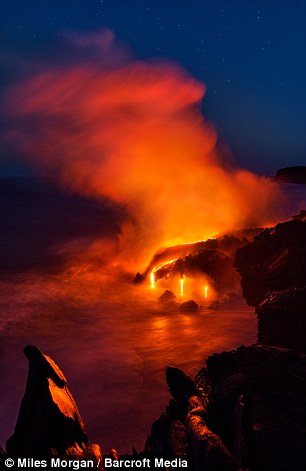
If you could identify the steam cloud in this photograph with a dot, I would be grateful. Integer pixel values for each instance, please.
(134, 132)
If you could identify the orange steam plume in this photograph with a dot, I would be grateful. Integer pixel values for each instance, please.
(136, 134)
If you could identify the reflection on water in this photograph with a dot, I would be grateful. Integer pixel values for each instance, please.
(113, 342)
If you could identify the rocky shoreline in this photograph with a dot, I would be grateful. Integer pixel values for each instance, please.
(246, 409)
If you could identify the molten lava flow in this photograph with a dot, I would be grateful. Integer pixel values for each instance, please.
(163, 270)
(134, 132)
(171, 272)
(182, 285)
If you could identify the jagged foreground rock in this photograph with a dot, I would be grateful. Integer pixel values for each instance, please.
(181, 431)
(49, 423)
(257, 405)
(246, 410)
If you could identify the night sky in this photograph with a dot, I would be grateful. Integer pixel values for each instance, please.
(249, 53)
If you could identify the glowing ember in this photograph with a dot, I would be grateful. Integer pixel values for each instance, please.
(182, 286)
(206, 291)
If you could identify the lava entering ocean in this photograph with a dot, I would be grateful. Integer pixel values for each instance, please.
(134, 132)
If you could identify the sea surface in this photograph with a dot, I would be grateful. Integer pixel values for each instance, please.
(60, 291)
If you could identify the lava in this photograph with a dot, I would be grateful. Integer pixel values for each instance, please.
(163, 270)
(166, 274)
(182, 286)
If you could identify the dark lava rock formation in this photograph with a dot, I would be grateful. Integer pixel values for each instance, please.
(189, 306)
(273, 279)
(275, 261)
(282, 319)
(245, 410)
(181, 431)
(301, 216)
(296, 174)
(256, 404)
(49, 423)
(167, 297)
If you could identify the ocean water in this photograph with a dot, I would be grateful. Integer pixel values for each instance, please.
(60, 291)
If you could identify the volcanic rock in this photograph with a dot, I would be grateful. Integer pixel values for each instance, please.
(189, 306)
(275, 261)
(167, 297)
(256, 404)
(296, 174)
(167, 438)
(245, 410)
(282, 319)
(205, 447)
(49, 423)
(181, 386)
(273, 278)
(301, 216)
(216, 264)
(138, 278)
(228, 301)
(181, 430)
(214, 258)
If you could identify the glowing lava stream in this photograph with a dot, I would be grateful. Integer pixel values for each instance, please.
(168, 263)
(182, 286)
(158, 267)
